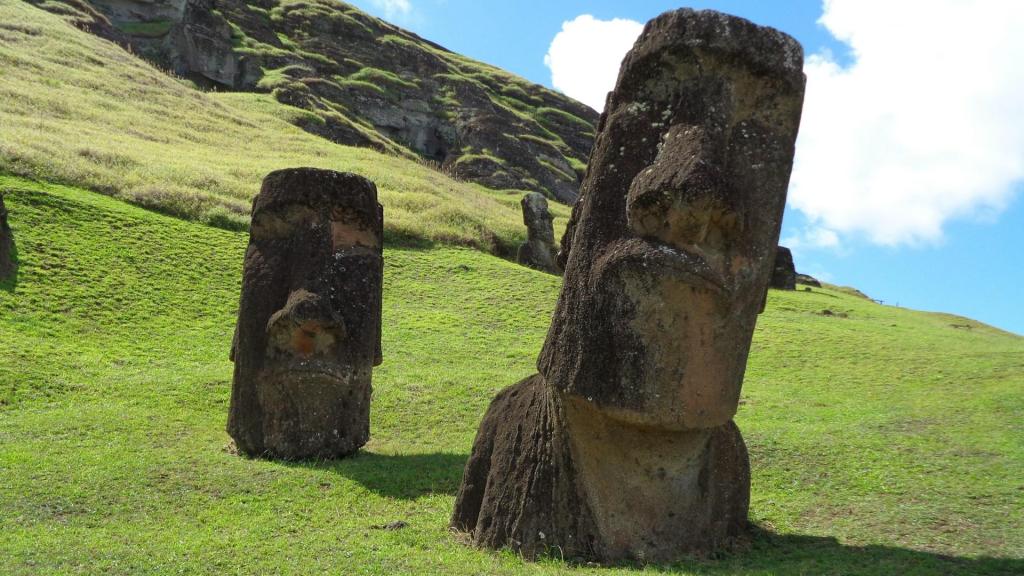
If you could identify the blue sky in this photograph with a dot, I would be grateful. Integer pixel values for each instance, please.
(910, 167)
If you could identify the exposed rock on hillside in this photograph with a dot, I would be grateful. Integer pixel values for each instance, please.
(368, 83)
(807, 280)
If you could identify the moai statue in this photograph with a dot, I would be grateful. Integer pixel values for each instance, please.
(623, 446)
(309, 319)
(783, 272)
(538, 251)
(7, 263)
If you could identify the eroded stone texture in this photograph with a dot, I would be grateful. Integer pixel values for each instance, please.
(7, 264)
(308, 332)
(627, 429)
(539, 250)
(784, 272)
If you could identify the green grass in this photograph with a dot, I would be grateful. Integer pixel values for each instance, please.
(554, 116)
(154, 29)
(378, 76)
(79, 110)
(886, 441)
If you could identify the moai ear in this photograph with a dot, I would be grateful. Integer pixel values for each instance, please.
(234, 345)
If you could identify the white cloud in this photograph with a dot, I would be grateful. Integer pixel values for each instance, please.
(393, 8)
(584, 57)
(925, 125)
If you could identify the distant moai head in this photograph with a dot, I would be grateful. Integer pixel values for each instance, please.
(672, 242)
(309, 317)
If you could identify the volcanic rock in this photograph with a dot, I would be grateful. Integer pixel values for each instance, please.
(539, 250)
(623, 445)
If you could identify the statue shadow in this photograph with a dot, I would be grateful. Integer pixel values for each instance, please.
(9, 278)
(800, 555)
(402, 476)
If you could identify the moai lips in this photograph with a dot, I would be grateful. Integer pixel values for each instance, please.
(667, 258)
(308, 332)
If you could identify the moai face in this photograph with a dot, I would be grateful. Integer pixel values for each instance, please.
(309, 316)
(675, 234)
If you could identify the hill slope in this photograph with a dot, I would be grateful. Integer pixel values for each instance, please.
(893, 431)
(366, 83)
(78, 109)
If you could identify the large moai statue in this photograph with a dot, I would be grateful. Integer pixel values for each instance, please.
(539, 250)
(783, 271)
(309, 318)
(7, 263)
(623, 446)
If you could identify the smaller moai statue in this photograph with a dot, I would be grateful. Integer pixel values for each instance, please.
(538, 252)
(309, 318)
(784, 272)
(7, 263)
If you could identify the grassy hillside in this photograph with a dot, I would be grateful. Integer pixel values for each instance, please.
(77, 109)
(882, 440)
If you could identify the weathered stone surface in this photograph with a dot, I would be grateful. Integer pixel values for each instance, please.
(626, 433)
(539, 250)
(808, 280)
(783, 272)
(309, 317)
(7, 263)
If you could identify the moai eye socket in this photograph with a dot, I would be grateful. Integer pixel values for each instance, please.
(281, 223)
(350, 229)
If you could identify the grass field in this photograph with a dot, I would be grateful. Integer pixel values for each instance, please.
(79, 110)
(883, 440)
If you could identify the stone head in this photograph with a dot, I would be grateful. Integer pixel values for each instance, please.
(671, 244)
(308, 331)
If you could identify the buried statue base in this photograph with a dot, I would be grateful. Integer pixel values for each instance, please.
(623, 445)
(308, 333)
(622, 494)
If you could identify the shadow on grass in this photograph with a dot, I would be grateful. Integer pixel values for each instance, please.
(8, 262)
(799, 555)
(405, 476)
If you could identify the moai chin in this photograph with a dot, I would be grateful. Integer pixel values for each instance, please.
(309, 318)
(623, 446)
(538, 251)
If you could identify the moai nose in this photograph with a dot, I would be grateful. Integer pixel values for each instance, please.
(304, 328)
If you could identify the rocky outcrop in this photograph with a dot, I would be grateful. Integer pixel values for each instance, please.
(539, 251)
(8, 266)
(368, 83)
(808, 280)
(309, 318)
(784, 272)
(623, 445)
